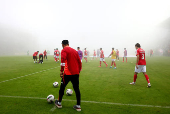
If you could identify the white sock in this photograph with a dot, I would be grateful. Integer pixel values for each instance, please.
(78, 106)
(148, 83)
(59, 103)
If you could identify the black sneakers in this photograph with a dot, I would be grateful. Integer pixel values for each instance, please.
(57, 104)
(78, 108)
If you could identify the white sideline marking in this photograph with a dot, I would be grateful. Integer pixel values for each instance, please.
(95, 102)
(25, 75)
(53, 109)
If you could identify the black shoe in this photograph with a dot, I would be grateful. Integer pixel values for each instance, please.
(77, 108)
(58, 105)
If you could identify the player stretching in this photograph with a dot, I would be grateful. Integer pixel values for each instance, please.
(117, 54)
(80, 53)
(113, 54)
(102, 57)
(94, 55)
(71, 61)
(40, 58)
(57, 52)
(125, 54)
(45, 54)
(85, 54)
(35, 56)
(140, 64)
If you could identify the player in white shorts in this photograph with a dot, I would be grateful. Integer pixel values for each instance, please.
(102, 57)
(140, 64)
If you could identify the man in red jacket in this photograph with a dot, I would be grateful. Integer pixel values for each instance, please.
(71, 65)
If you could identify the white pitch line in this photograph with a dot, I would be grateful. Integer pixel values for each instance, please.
(53, 109)
(33, 73)
(26, 75)
(94, 102)
(14, 78)
(6, 80)
(18, 77)
(22, 76)
(29, 74)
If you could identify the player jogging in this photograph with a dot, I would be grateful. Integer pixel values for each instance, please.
(113, 56)
(117, 54)
(35, 56)
(85, 54)
(102, 57)
(94, 55)
(125, 55)
(140, 64)
(80, 53)
(71, 65)
(57, 52)
(45, 54)
(41, 58)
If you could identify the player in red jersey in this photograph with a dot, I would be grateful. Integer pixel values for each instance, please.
(102, 57)
(71, 65)
(94, 55)
(35, 56)
(140, 64)
(125, 55)
(85, 54)
(57, 54)
(45, 54)
(117, 54)
(40, 58)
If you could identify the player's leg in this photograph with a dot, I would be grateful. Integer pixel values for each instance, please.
(146, 76)
(111, 64)
(134, 79)
(105, 62)
(36, 58)
(100, 61)
(64, 83)
(118, 57)
(114, 64)
(42, 59)
(123, 59)
(126, 58)
(75, 83)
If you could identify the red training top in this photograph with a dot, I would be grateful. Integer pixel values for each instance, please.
(141, 54)
(71, 60)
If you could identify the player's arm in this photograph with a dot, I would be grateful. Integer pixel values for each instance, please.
(63, 59)
(137, 61)
(110, 54)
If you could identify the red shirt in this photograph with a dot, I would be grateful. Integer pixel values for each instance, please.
(101, 54)
(57, 52)
(71, 60)
(40, 54)
(117, 52)
(45, 53)
(141, 54)
(35, 54)
(94, 53)
(85, 52)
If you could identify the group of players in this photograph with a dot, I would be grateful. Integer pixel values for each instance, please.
(41, 56)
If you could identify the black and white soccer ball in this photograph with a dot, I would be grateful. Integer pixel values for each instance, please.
(50, 98)
(55, 84)
(69, 92)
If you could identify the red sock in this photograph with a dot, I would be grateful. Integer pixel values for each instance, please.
(112, 63)
(135, 77)
(123, 58)
(126, 59)
(58, 59)
(104, 62)
(100, 63)
(147, 78)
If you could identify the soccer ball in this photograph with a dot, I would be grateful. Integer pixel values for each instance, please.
(50, 98)
(69, 92)
(55, 84)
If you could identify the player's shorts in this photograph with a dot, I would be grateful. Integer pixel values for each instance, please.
(94, 56)
(85, 56)
(125, 56)
(113, 59)
(34, 57)
(54, 56)
(102, 59)
(57, 56)
(141, 68)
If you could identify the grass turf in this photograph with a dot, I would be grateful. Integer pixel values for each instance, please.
(96, 84)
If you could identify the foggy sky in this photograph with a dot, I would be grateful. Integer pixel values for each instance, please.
(42, 24)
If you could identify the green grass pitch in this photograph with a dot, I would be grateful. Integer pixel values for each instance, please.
(27, 94)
